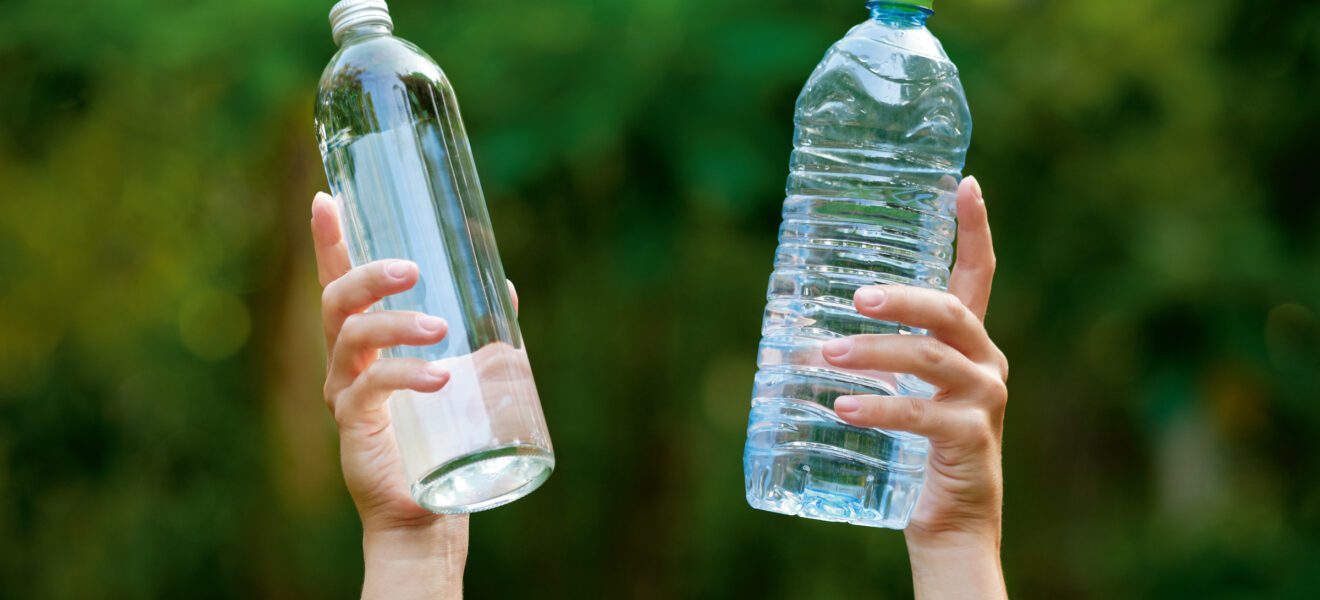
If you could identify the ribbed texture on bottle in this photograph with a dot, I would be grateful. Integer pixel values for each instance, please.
(882, 130)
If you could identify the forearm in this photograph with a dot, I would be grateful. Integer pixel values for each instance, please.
(956, 567)
(404, 564)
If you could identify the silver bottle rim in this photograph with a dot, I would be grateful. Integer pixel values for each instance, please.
(346, 14)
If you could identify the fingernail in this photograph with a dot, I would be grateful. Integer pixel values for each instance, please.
(870, 297)
(437, 370)
(837, 347)
(399, 269)
(430, 324)
(847, 404)
(976, 188)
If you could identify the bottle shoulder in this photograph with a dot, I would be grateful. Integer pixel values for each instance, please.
(888, 89)
(379, 60)
(379, 83)
(917, 41)
(894, 66)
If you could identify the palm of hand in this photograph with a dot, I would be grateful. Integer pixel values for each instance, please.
(373, 470)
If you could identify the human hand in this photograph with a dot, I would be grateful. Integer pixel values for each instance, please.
(409, 551)
(953, 537)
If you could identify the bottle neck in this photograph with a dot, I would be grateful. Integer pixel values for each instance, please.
(900, 13)
(361, 31)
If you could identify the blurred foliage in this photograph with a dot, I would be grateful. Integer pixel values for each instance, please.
(1149, 171)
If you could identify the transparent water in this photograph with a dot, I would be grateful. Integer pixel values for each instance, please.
(882, 130)
(400, 167)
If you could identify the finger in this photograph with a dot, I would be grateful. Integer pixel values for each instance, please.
(361, 287)
(975, 268)
(364, 334)
(513, 293)
(369, 391)
(942, 315)
(328, 240)
(939, 422)
(928, 358)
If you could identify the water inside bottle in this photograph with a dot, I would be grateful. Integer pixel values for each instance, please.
(467, 445)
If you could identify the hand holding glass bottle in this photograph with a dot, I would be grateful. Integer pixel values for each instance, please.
(429, 548)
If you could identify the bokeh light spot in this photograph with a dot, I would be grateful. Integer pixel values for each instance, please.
(214, 325)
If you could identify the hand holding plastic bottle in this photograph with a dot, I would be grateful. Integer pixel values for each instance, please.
(953, 537)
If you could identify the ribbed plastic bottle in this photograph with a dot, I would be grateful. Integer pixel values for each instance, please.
(882, 130)
(399, 165)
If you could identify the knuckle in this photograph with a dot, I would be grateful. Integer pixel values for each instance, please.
(371, 375)
(912, 411)
(385, 374)
(931, 352)
(330, 296)
(333, 403)
(1002, 362)
(997, 394)
(977, 431)
(955, 312)
(328, 396)
(352, 327)
(342, 417)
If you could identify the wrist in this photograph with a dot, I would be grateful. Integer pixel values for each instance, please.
(444, 537)
(955, 564)
(423, 561)
(981, 536)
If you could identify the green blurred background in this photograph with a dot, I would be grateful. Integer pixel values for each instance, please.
(1149, 168)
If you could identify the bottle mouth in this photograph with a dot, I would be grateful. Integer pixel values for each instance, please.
(347, 14)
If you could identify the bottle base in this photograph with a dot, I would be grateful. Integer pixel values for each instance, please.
(484, 480)
(855, 493)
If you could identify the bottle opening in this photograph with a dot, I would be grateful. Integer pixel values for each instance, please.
(351, 14)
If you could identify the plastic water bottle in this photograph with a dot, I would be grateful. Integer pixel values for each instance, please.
(399, 165)
(882, 130)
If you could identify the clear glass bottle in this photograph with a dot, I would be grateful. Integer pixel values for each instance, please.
(400, 167)
(882, 130)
